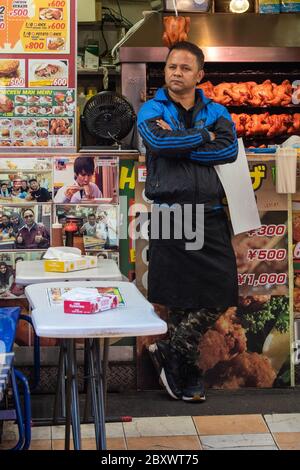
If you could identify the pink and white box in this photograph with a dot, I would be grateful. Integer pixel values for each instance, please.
(87, 301)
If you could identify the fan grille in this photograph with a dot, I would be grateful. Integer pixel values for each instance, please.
(109, 116)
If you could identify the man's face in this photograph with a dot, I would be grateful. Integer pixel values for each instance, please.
(92, 219)
(17, 184)
(3, 268)
(5, 220)
(28, 217)
(34, 185)
(83, 178)
(102, 218)
(4, 187)
(182, 72)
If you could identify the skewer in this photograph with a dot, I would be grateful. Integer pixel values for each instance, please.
(175, 7)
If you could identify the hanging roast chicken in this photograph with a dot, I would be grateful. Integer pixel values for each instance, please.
(176, 29)
(249, 93)
(265, 124)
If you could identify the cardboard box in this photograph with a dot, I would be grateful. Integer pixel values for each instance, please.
(58, 266)
(91, 57)
(86, 10)
(100, 304)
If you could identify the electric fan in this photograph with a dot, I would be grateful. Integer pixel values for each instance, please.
(107, 119)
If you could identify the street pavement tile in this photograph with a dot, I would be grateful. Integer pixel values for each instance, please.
(238, 442)
(233, 424)
(162, 443)
(90, 444)
(287, 440)
(289, 422)
(163, 426)
(41, 444)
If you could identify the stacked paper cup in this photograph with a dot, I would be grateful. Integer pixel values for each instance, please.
(286, 169)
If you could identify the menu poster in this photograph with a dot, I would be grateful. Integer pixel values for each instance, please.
(37, 54)
(35, 26)
(37, 118)
(296, 258)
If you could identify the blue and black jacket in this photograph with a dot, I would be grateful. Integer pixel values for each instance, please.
(180, 163)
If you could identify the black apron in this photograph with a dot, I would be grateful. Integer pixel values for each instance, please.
(198, 278)
(194, 279)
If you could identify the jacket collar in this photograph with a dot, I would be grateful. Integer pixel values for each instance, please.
(161, 95)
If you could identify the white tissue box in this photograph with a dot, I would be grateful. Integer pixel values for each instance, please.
(65, 266)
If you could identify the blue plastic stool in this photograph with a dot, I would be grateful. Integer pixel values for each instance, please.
(9, 318)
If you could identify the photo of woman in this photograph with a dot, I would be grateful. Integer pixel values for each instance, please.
(6, 279)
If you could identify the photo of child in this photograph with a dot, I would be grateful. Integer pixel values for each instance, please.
(85, 179)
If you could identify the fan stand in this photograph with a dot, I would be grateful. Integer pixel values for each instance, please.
(116, 143)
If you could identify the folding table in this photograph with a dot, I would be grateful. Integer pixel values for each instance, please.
(136, 318)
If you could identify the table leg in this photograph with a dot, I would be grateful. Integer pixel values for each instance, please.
(60, 398)
(75, 401)
(93, 389)
(101, 444)
(87, 404)
(68, 395)
(72, 400)
(105, 365)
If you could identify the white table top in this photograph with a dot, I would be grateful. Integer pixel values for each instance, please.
(137, 318)
(32, 272)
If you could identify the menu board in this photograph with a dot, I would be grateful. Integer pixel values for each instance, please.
(37, 118)
(35, 26)
(37, 74)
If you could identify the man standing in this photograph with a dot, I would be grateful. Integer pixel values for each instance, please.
(90, 227)
(185, 135)
(107, 230)
(32, 235)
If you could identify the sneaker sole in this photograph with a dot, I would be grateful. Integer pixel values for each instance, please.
(196, 398)
(164, 381)
(157, 361)
(155, 357)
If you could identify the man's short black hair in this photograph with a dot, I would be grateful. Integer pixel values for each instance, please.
(190, 47)
(84, 164)
(32, 179)
(91, 215)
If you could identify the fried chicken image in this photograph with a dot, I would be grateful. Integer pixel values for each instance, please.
(296, 228)
(253, 303)
(223, 342)
(297, 301)
(245, 370)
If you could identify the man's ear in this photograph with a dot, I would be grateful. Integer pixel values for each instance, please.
(200, 76)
